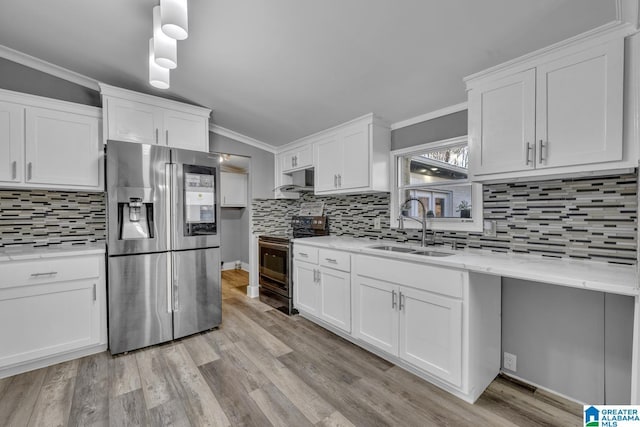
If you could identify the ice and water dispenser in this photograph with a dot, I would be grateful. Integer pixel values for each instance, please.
(135, 218)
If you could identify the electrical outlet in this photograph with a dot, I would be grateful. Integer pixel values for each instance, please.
(489, 228)
(377, 223)
(509, 361)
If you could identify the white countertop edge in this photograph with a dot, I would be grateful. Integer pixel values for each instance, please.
(590, 275)
(30, 253)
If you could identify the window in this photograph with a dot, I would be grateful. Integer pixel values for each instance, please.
(436, 174)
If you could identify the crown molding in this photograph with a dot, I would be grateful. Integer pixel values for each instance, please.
(429, 116)
(47, 67)
(219, 130)
(628, 11)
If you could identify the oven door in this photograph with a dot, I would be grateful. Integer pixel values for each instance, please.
(274, 266)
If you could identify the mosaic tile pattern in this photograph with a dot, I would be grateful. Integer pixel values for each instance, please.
(583, 218)
(51, 218)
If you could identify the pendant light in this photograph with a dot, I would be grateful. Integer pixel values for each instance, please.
(158, 76)
(165, 48)
(174, 18)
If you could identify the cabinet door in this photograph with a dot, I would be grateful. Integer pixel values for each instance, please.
(62, 148)
(304, 157)
(335, 298)
(356, 154)
(579, 107)
(306, 289)
(48, 319)
(328, 163)
(288, 161)
(377, 315)
(188, 131)
(502, 124)
(133, 121)
(233, 189)
(11, 141)
(431, 333)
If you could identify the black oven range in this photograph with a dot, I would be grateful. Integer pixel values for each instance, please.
(274, 255)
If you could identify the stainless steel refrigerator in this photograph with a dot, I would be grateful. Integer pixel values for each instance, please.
(163, 244)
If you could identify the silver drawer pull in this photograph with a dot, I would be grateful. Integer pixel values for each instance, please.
(303, 254)
(51, 273)
(331, 260)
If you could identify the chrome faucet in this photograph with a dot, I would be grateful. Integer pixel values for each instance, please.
(422, 222)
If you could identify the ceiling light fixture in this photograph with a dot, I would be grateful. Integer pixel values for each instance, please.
(174, 18)
(165, 48)
(158, 76)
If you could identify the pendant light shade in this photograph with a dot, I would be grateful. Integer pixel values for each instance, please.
(165, 48)
(158, 76)
(174, 18)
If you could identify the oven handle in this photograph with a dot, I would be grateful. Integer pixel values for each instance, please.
(273, 245)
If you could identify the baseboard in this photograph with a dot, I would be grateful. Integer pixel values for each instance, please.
(231, 265)
(50, 360)
(544, 392)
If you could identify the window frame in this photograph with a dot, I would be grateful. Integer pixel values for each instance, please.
(473, 224)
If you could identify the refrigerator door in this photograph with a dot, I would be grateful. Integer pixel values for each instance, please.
(139, 301)
(197, 293)
(137, 198)
(196, 206)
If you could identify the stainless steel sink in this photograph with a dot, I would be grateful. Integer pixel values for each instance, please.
(393, 248)
(432, 253)
(411, 251)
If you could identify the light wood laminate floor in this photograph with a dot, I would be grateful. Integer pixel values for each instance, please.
(259, 368)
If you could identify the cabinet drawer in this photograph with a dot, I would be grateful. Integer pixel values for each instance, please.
(305, 253)
(335, 259)
(444, 281)
(33, 272)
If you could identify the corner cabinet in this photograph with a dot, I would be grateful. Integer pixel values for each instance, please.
(559, 111)
(353, 158)
(46, 143)
(322, 285)
(59, 304)
(136, 117)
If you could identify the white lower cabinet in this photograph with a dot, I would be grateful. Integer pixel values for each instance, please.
(321, 291)
(51, 310)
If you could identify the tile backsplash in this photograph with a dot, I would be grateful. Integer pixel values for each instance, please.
(51, 218)
(583, 218)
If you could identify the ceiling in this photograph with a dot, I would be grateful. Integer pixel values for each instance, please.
(278, 70)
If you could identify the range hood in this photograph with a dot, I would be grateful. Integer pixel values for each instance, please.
(301, 182)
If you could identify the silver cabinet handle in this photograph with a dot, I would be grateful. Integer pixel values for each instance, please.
(95, 294)
(29, 171)
(339, 180)
(316, 275)
(331, 260)
(529, 153)
(543, 146)
(335, 181)
(394, 302)
(302, 254)
(14, 169)
(50, 273)
(166, 135)
(156, 135)
(402, 305)
(224, 200)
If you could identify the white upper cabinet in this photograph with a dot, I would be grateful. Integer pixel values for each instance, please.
(45, 143)
(559, 111)
(296, 159)
(11, 141)
(135, 117)
(233, 190)
(353, 158)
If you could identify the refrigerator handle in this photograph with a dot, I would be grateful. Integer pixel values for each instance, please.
(175, 206)
(176, 301)
(167, 211)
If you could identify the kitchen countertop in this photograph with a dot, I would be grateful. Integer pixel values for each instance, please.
(593, 275)
(29, 252)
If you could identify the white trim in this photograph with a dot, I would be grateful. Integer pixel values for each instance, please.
(602, 34)
(231, 265)
(628, 11)
(430, 116)
(538, 386)
(50, 103)
(47, 67)
(219, 130)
